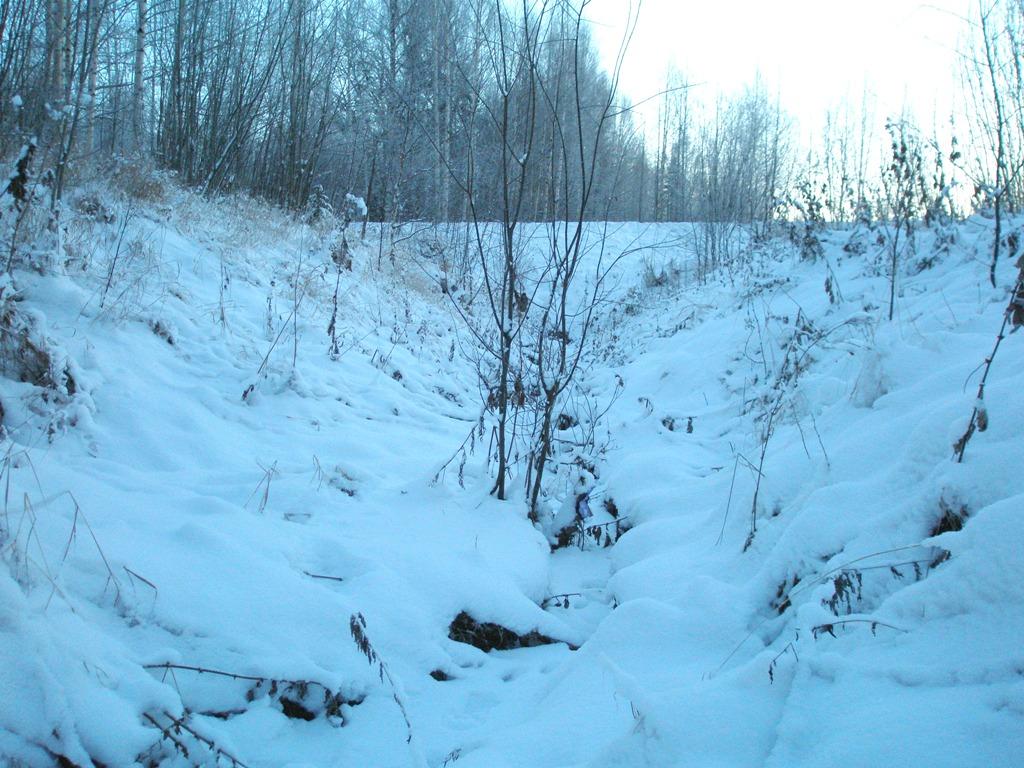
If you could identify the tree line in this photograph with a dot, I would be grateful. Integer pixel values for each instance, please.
(392, 100)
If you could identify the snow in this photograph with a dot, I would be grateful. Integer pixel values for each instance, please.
(169, 521)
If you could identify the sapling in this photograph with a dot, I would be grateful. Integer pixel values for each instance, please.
(129, 212)
(1013, 317)
(22, 194)
(774, 402)
(222, 288)
(904, 184)
(342, 260)
(807, 201)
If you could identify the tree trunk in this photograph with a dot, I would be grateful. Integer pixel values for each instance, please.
(139, 89)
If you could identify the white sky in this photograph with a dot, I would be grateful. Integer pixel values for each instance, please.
(813, 53)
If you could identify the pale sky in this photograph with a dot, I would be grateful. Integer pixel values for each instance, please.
(813, 53)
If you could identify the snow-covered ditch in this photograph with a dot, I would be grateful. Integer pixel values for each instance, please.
(194, 577)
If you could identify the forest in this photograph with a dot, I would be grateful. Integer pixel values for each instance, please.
(417, 106)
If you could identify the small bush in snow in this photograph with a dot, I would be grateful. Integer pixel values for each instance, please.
(665, 275)
(140, 182)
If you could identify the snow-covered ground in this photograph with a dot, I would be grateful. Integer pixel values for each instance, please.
(160, 529)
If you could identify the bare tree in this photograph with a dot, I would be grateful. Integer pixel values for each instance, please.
(905, 196)
(993, 79)
(567, 310)
(139, 83)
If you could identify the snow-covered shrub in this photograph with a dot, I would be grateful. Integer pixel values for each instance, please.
(940, 211)
(864, 233)
(666, 274)
(806, 231)
(952, 516)
(140, 181)
(319, 212)
(25, 354)
(133, 275)
(26, 220)
(904, 185)
(715, 244)
(48, 397)
(90, 205)
(354, 209)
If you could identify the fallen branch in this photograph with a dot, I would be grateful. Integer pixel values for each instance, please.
(179, 724)
(291, 694)
(830, 627)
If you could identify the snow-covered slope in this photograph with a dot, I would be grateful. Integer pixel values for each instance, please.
(840, 632)
(160, 529)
